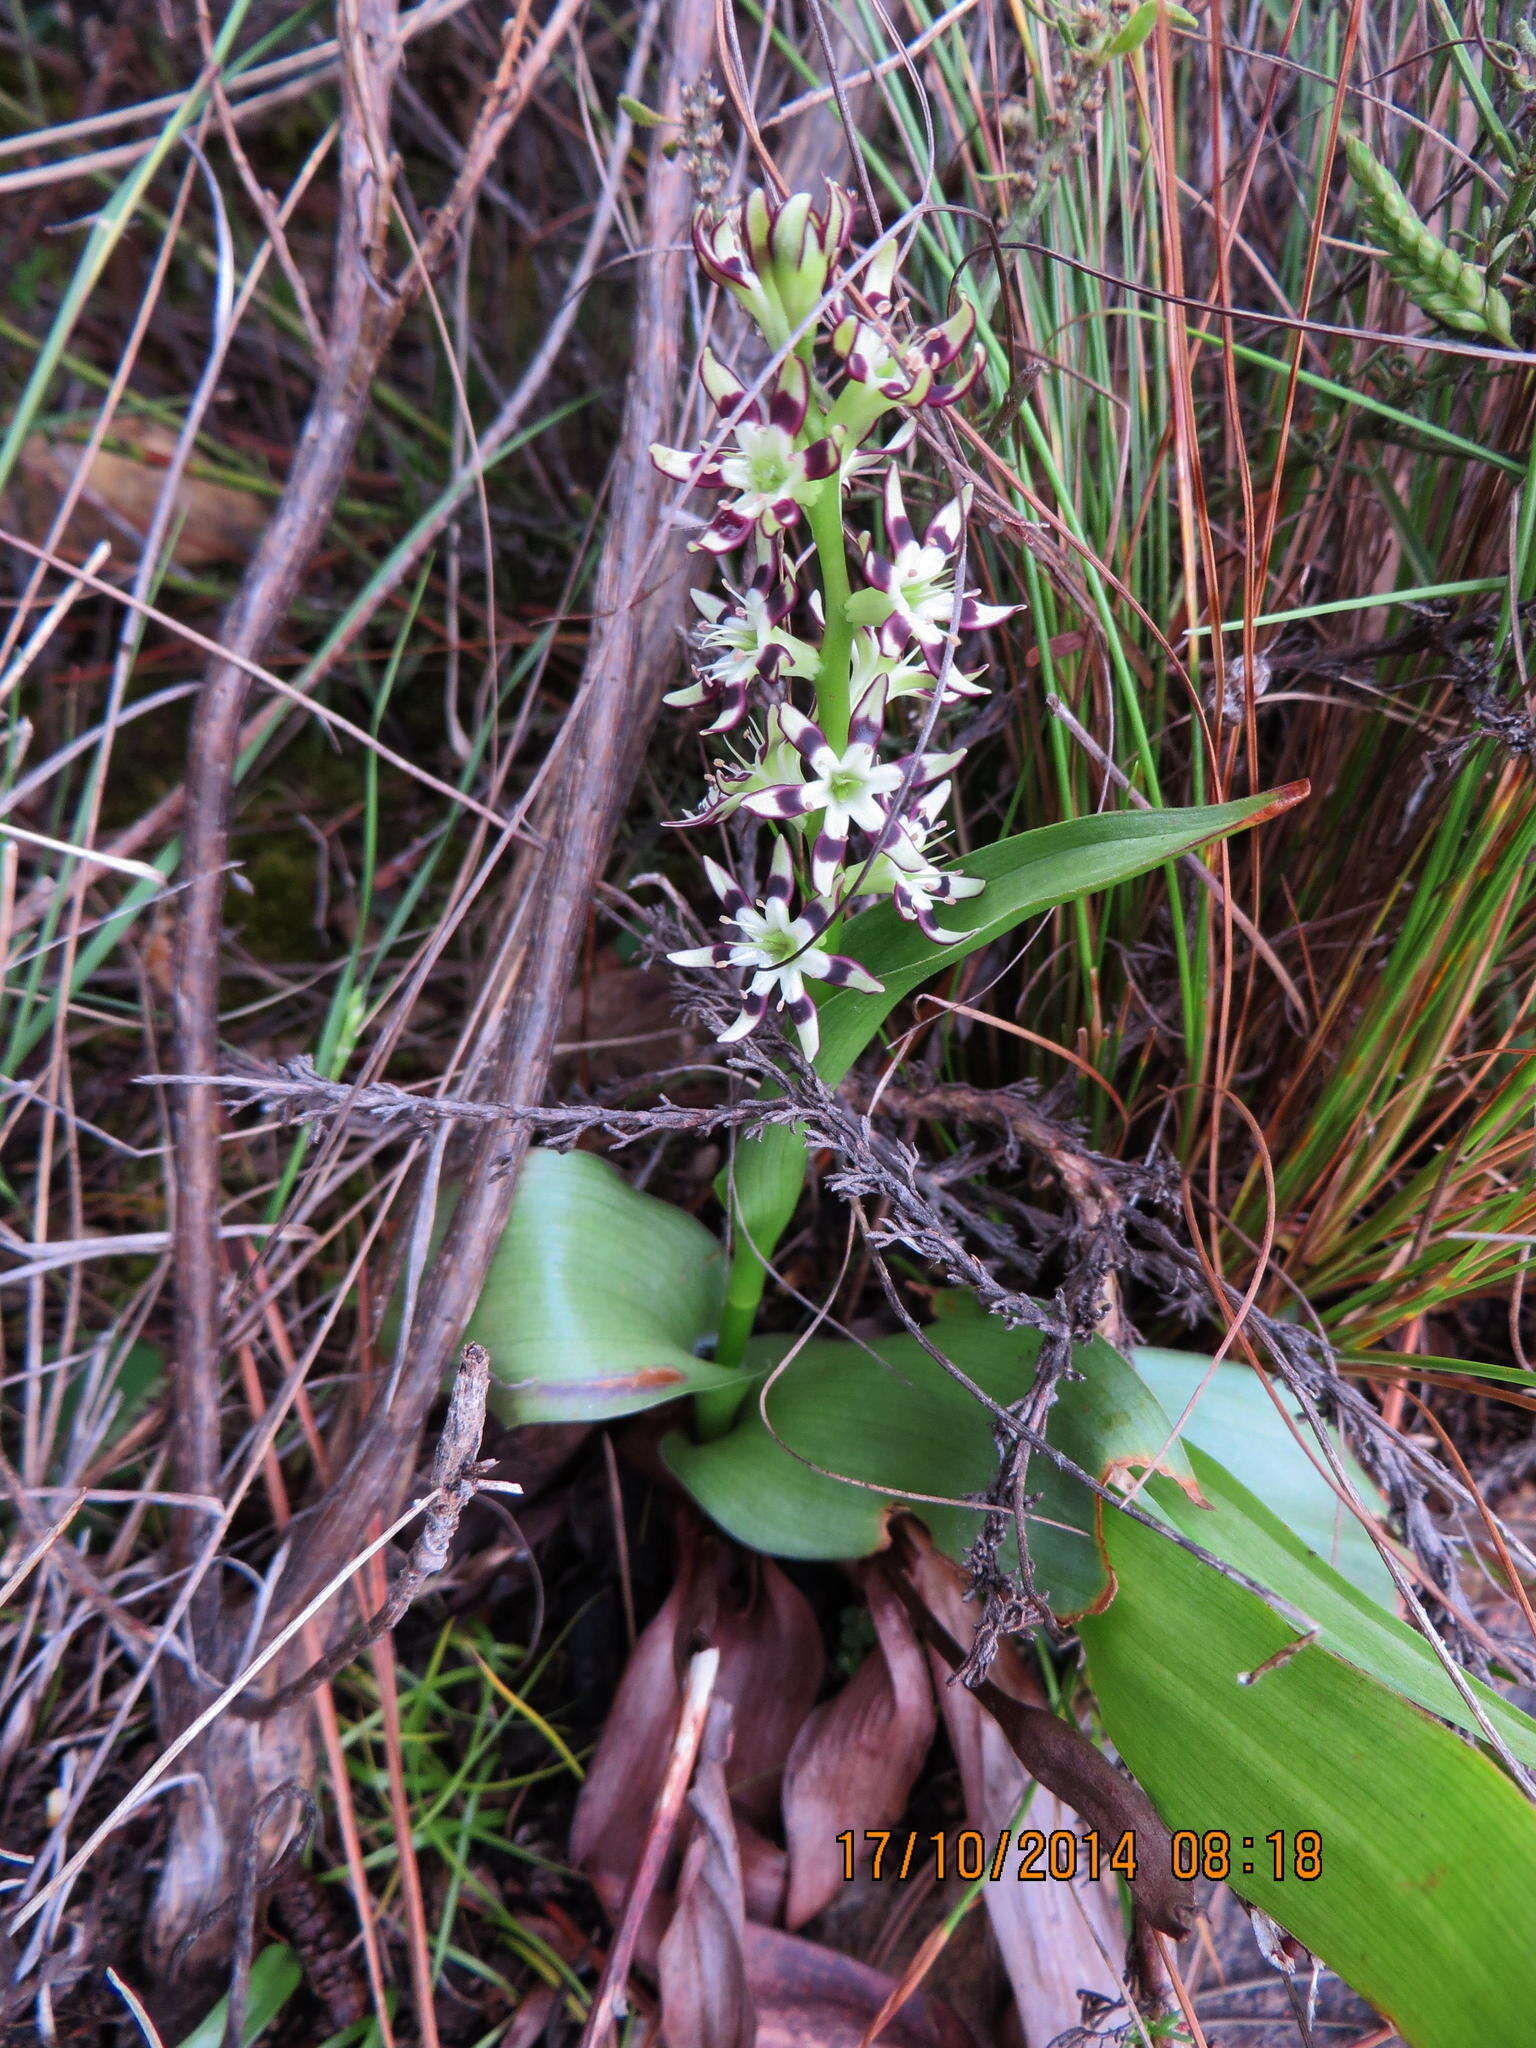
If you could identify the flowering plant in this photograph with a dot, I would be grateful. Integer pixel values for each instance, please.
(846, 781)
(824, 665)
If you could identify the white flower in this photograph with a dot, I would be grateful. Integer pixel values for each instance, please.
(916, 583)
(904, 868)
(778, 952)
(902, 673)
(854, 787)
(746, 643)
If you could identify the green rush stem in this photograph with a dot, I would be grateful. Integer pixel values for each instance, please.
(716, 1410)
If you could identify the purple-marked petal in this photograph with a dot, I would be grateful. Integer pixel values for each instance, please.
(725, 886)
(726, 389)
(802, 1014)
(754, 1008)
(945, 526)
(940, 345)
(781, 874)
(723, 535)
(791, 396)
(782, 800)
(868, 720)
(951, 392)
(827, 857)
(679, 464)
(974, 615)
(845, 973)
(820, 458)
(898, 528)
(803, 734)
(702, 956)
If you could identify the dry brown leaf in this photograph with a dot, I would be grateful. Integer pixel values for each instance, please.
(764, 1872)
(771, 1662)
(813, 1997)
(530, 2023)
(614, 1805)
(218, 522)
(701, 1961)
(856, 1757)
(1057, 1939)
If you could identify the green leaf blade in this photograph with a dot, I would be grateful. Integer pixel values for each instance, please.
(597, 1299)
(1242, 1530)
(1235, 1421)
(855, 1433)
(275, 1976)
(1428, 1850)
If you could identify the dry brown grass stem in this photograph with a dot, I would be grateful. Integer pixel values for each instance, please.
(548, 899)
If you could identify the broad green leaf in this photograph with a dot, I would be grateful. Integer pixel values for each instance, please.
(1236, 1423)
(275, 1977)
(898, 1422)
(597, 1298)
(1240, 1529)
(1428, 1849)
(1025, 875)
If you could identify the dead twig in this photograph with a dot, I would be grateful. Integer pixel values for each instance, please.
(609, 2004)
(362, 321)
(366, 310)
(457, 1476)
(638, 592)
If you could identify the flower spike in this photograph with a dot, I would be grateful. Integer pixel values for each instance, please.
(855, 811)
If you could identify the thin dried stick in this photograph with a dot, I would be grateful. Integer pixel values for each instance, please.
(608, 2001)
(457, 1476)
(639, 588)
(367, 307)
(360, 325)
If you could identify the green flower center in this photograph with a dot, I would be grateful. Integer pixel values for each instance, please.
(769, 471)
(779, 945)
